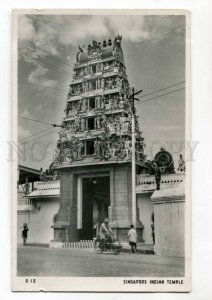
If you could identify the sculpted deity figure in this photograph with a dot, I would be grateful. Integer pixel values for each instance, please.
(86, 71)
(74, 149)
(128, 148)
(119, 82)
(104, 122)
(118, 126)
(77, 122)
(110, 83)
(115, 102)
(103, 102)
(122, 121)
(97, 148)
(84, 105)
(98, 102)
(113, 150)
(63, 135)
(112, 126)
(72, 128)
(98, 68)
(98, 83)
(82, 124)
(98, 123)
(121, 103)
(102, 83)
(86, 86)
(79, 149)
(67, 155)
(78, 107)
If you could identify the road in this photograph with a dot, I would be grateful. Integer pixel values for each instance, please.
(73, 262)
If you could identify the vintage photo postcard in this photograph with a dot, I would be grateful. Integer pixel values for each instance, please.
(101, 151)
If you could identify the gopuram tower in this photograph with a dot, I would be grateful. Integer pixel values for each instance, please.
(94, 148)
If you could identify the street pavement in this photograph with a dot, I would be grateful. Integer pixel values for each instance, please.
(73, 262)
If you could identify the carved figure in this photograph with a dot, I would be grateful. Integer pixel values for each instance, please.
(98, 68)
(102, 83)
(77, 123)
(98, 102)
(82, 124)
(181, 164)
(104, 121)
(84, 105)
(79, 149)
(98, 83)
(97, 149)
(98, 123)
(128, 148)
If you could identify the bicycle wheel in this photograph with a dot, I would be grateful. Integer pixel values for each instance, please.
(115, 251)
(97, 247)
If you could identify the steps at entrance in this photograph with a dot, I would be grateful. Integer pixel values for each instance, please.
(80, 244)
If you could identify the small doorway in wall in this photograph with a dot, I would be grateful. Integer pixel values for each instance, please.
(91, 103)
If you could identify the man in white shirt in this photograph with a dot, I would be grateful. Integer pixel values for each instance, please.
(132, 235)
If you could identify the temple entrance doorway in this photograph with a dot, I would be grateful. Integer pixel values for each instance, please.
(94, 205)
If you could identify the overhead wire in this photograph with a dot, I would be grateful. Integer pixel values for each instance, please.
(41, 136)
(35, 134)
(38, 121)
(142, 96)
(56, 57)
(140, 102)
(47, 64)
(32, 46)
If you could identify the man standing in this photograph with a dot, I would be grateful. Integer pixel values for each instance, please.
(157, 174)
(105, 232)
(132, 235)
(24, 234)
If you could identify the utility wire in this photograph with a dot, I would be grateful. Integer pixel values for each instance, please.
(49, 54)
(162, 89)
(49, 65)
(40, 136)
(52, 124)
(139, 102)
(35, 47)
(35, 134)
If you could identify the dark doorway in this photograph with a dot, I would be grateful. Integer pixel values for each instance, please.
(89, 147)
(95, 202)
(91, 124)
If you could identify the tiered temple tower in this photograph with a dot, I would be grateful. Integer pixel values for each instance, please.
(94, 147)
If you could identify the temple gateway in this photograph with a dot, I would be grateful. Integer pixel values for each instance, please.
(94, 157)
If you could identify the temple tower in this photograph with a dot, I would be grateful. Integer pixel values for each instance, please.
(94, 147)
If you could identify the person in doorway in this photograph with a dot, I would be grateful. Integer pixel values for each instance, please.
(132, 236)
(105, 232)
(24, 234)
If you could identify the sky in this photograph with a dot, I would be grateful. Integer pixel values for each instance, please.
(154, 54)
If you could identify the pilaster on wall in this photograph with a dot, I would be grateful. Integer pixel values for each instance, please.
(122, 196)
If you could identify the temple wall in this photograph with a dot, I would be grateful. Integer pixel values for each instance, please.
(39, 221)
(169, 227)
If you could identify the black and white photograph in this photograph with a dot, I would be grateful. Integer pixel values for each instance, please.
(101, 146)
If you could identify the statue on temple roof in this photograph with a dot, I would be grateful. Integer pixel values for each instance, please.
(104, 44)
(109, 43)
(117, 40)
